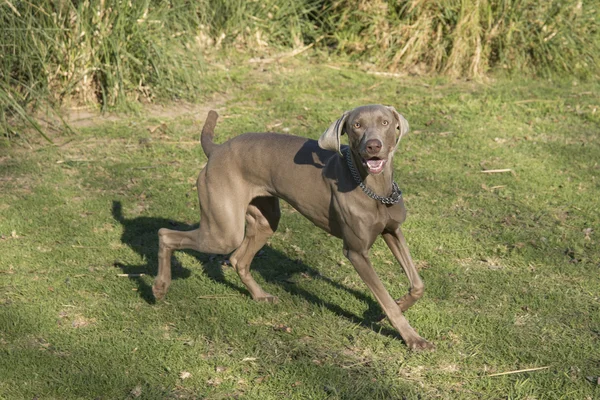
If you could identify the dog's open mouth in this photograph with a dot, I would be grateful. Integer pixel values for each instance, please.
(374, 165)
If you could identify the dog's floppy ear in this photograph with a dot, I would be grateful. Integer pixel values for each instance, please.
(330, 139)
(401, 124)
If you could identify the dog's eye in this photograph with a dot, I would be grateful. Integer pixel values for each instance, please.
(357, 125)
(385, 122)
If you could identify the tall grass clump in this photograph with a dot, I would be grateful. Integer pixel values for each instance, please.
(107, 52)
(470, 37)
(256, 25)
(98, 50)
(115, 52)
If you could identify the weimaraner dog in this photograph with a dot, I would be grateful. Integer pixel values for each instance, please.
(347, 191)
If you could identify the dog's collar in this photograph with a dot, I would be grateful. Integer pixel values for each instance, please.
(392, 199)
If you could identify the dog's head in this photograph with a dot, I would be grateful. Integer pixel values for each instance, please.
(373, 131)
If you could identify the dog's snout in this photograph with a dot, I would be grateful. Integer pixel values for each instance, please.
(373, 146)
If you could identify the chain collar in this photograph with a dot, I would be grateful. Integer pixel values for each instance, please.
(392, 199)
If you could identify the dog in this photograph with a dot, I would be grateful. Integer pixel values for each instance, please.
(348, 191)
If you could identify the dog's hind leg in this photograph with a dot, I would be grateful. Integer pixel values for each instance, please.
(169, 241)
(198, 239)
(262, 218)
(221, 231)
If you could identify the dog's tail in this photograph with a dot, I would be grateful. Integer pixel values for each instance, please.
(208, 132)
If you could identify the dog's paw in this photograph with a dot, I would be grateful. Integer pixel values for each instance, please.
(159, 290)
(268, 298)
(405, 302)
(419, 344)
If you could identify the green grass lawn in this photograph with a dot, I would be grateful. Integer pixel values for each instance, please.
(510, 261)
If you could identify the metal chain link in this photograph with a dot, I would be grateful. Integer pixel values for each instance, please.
(392, 199)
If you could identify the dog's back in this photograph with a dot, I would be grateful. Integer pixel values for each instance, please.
(273, 164)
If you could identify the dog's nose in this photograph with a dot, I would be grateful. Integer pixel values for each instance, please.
(373, 146)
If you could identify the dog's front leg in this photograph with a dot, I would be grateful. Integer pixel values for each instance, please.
(361, 263)
(397, 244)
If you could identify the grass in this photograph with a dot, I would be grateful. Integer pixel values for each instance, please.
(469, 38)
(510, 261)
(110, 54)
(114, 54)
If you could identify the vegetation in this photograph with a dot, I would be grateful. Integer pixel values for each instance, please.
(510, 260)
(105, 52)
(117, 52)
(467, 38)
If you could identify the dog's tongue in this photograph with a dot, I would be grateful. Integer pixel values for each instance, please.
(375, 166)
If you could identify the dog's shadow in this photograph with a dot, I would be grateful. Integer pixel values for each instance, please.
(141, 235)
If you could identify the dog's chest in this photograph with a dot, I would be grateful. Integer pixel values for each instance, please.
(396, 212)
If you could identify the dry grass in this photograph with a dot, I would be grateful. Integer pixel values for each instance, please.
(117, 53)
(470, 37)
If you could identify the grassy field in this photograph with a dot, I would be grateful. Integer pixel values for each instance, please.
(510, 260)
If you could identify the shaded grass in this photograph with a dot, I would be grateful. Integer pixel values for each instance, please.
(510, 267)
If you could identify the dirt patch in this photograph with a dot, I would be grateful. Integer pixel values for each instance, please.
(83, 117)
